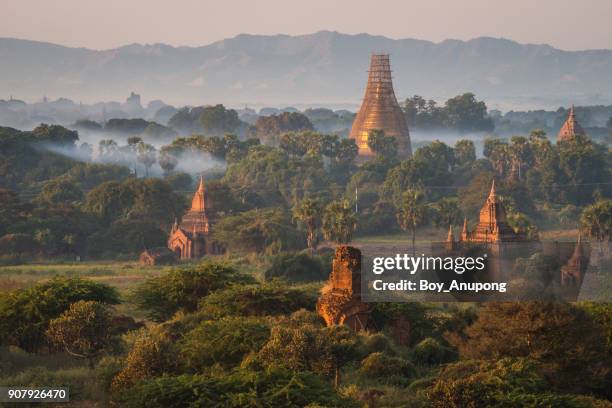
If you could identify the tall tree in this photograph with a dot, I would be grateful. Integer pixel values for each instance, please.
(465, 113)
(465, 152)
(384, 146)
(496, 150)
(308, 211)
(520, 156)
(596, 220)
(217, 120)
(411, 212)
(448, 212)
(167, 159)
(339, 222)
(83, 331)
(147, 155)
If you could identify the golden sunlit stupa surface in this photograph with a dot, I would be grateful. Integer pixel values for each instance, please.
(380, 110)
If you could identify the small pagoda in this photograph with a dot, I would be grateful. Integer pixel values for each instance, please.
(571, 128)
(190, 238)
(492, 225)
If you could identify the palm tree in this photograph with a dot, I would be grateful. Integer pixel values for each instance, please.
(167, 160)
(147, 155)
(448, 212)
(520, 155)
(308, 211)
(411, 212)
(596, 221)
(339, 222)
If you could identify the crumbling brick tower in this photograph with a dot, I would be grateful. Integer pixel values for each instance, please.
(340, 301)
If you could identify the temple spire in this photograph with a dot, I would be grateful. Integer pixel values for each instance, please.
(198, 203)
(464, 232)
(450, 237)
(201, 184)
(493, 191)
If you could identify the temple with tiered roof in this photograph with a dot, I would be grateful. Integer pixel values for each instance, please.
(492, 226)
(191, 238)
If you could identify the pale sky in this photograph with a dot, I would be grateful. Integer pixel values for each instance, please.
(102, 24)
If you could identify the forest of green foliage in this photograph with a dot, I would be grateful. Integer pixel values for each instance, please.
(54, 205)
(239, 330)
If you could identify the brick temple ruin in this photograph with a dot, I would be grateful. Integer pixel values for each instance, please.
(340, 300)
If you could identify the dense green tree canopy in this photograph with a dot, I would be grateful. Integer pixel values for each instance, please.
(26, 313)
(183, 288)
(217, 120)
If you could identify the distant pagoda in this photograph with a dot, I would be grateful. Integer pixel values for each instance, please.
(191, 238)
(380, 110)
(571, 128)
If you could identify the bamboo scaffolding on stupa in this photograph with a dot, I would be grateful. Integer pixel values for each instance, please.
(380, 110)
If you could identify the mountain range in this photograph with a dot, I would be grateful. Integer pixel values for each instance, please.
(324, 68)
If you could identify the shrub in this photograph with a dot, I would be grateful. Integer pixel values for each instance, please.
(430, 351)
(563, 337)
(271, 388)
(225, 341)
(267, 230)
(17, 245)
(25, 313)
(299, 267)
(503, 383)
(376, 342)
(83, 331)
(386, 314)
(380, 365)
(310, 348)
(107, 368)
(257, 300)
(182, 288)
(153, 354)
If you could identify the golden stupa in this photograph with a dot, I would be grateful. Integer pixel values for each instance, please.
(380, 110)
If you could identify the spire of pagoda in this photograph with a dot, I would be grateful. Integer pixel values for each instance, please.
(198, 203)
(464, 232)
(450, 237)
(493, 191)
